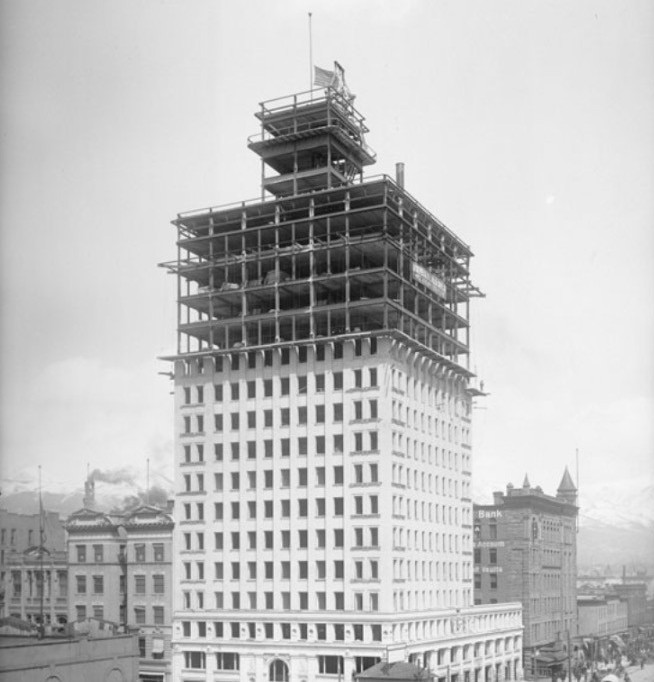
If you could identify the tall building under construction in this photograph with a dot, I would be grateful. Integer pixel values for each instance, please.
(323, 413)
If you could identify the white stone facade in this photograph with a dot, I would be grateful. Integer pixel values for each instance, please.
(323, 510)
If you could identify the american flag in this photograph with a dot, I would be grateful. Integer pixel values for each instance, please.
(323, 78)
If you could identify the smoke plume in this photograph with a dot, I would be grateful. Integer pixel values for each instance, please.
(155, 496)
(123, 475)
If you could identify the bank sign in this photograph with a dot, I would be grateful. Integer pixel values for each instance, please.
(429, 279)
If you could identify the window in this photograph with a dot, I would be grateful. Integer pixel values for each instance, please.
(267, 388)
(338, 412)
(320, 538)
(80, 584)
(338, 506)
(286, 416)
(158, 586)
(267, 418)
(286, 447)
(139, 584)
(320, 506)
(320, 476)
(252, 389)
(252, 419)
(330, 665)
(338, 380)
(80, 612)
(320, 383)
(373, 409)
(373, 371)
(338, 475)
(493, 581)
(196, 660)
(302, 446)
(302, 384)
(234, 390)
(492, 554)
(139, 553)
(218, 393)
(98, 584)
(158, 615)
(218, 454)
(358, 380)
(320, 414)
(338, 569)
(158, 549)
(338, 537)
(81, 554)
(226, 660)
(139, 615)
(302, 415)
(321, 570)
(302, 477)
(286, 386)
(97, 553)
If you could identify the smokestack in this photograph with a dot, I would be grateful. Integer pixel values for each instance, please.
(89, 493)
(399, 173)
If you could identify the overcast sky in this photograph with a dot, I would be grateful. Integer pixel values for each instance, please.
(527, 127)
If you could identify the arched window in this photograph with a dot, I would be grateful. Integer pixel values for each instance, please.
(278, 671)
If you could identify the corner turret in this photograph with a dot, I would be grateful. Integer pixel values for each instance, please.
(567, 490)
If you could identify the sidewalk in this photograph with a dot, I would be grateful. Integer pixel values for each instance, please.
(635, 673)
(638, 675)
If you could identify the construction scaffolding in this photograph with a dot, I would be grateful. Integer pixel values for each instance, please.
(330, 255)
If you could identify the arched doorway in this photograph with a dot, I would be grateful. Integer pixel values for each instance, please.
(278, 671)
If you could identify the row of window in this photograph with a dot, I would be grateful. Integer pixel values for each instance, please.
(362, 474)
(362, 537)
(281, 386)
(296, 600)
(141, 553)
(82, 612)
(97, 583)
(371, 506)
(279, 631)
(319, 416)
(318, 353)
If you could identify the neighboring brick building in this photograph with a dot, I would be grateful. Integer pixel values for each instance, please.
(601, 616)
(20, 567)
(525, 550)
(120, 570)
(635, 595)
(19, 532)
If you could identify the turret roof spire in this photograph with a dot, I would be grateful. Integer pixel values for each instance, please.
(566, 485)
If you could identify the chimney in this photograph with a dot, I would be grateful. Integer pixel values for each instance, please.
(89, 493)
(399, 174)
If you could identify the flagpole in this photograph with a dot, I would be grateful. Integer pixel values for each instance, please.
(41, 608)
(310, 56)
